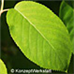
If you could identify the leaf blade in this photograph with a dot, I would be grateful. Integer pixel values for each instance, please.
(36, 37)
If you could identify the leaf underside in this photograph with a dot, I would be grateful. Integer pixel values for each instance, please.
(40, 34)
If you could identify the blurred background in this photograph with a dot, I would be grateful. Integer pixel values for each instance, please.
(10, 53)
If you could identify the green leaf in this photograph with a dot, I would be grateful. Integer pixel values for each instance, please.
(72, 38)
(73, 44)
(40, 34)
(66, 14)
(70, 2)
(3, 69)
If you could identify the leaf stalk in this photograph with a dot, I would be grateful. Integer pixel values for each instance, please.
(2, 6)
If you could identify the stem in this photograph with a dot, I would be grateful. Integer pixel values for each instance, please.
(3, 11)
(2, 4)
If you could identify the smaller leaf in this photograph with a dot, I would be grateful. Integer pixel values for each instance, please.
(70, 2)
(72, 38)
(66, 14)
(72, 34)
(3, 69)
(73, 44)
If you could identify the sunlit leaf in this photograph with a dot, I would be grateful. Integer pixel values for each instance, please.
(40, 34)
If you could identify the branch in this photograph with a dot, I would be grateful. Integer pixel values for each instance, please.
(3, 11)
(2, 4)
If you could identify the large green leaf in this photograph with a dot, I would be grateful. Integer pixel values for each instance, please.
(40, 34)
(66, 14)
(3, 69)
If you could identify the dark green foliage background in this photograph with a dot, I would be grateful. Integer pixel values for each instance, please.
(10, 53)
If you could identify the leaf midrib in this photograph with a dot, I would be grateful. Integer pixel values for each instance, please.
(35, 28)
(38, 32)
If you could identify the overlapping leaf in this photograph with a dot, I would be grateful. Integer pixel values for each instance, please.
(66, 14)
(70, 3)
(40, 35)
